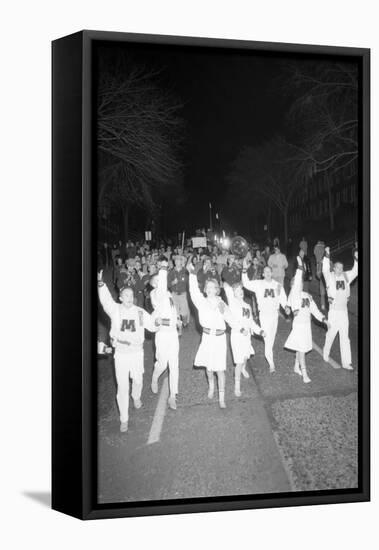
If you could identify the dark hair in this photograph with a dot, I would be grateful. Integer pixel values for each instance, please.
(126, 287)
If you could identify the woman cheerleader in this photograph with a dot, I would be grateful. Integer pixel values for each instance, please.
(213, 312)
(240, 339)
(300, 337)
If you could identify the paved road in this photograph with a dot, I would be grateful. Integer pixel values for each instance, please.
(281, 435)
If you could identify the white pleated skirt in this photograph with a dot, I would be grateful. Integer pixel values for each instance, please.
(241, 347)
(212, 353)
(300, 337)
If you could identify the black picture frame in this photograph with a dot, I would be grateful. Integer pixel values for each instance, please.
(74, 433)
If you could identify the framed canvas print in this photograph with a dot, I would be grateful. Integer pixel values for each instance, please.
(210, 275)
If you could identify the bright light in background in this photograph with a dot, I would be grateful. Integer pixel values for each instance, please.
(225, 242)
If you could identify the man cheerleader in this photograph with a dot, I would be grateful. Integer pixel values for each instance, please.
(213, 312)
(270, 296)
(166, 339)
(303, 307)
(338, 290)
(240, 338)
(128, 324)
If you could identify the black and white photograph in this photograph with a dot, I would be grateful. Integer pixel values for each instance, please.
(228, 272)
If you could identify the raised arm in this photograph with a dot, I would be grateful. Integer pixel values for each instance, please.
(229, 293)
(162, 279)
(196, 296)
(326, 265)
(106, 300)
(353, 273)
(294, 297)
(249, 285)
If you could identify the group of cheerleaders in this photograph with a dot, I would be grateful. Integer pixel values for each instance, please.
(128, 323)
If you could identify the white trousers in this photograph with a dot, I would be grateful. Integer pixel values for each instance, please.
(128, 365)
(339, 324)
(269, 323)
(167, 355)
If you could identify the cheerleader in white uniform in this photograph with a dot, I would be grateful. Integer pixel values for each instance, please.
(128, 324)
(338, 284)
(240, 339)
(166, 339)
(212, 315)
(270, 296)
(303, 307)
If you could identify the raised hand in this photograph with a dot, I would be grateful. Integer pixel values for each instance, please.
(245, 263)
(287, 310)
(190, 267)
(327, 250)
(356, 255)
(100, 276)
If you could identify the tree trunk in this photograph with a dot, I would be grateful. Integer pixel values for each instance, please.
(330, 202)
(125, 218)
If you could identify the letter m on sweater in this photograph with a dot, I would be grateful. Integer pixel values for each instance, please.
(128, 324)
(269, 292)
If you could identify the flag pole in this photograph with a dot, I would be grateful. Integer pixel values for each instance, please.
(210, 217)
(183, 242)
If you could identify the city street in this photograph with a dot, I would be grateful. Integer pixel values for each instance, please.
(280, 435)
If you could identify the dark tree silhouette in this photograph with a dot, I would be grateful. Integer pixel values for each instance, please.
(138, 137)
(323, 119)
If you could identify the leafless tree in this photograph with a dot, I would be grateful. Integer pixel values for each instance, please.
(138, 137)
(326, 114)
(322, 132)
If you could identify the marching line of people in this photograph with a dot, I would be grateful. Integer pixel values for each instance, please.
(170, 312)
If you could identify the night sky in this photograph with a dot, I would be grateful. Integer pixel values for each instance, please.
(230, 100)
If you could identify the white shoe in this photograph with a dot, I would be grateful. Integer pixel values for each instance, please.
(297, 369)
(347, 367)
(272, 368)
(237, 392)
(137, 403)
(306, 379)
(172, 403)
(325, 357)
(154, 385)
(245, 374)
(124, 427)
(221, 399)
